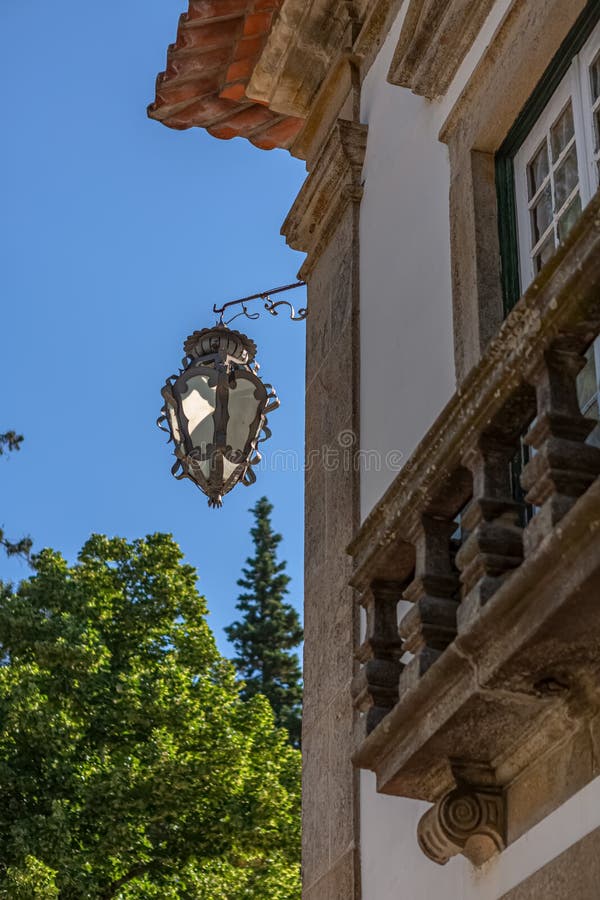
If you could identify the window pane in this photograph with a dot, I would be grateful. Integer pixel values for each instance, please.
(595, 77)
(569, 217)
(587, 381)
(544, 253)
(538, 170)
(562, 132)
(541, 214)
(597, 129)
(566, 177)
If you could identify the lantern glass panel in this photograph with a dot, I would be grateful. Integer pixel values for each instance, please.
(198, 404)
(228, 468)
(204, 466)
(173, 423)
(243, 409)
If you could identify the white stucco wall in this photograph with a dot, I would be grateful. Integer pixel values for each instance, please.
(407, 369)
(407, 363)
(407, 375)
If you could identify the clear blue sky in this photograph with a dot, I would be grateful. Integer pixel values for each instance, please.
(117, 235)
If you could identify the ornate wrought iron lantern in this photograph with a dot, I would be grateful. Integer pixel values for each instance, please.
(216, 411)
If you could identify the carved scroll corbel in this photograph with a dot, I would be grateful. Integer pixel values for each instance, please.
(468, 820)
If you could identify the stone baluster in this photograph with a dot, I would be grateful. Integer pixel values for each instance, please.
(430, 625)
(563, 465)
(375, 688)
(494, 545)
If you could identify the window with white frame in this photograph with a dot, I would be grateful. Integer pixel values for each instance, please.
(557, 167)
(556, 173)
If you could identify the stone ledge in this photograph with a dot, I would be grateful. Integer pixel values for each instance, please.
(483, 698)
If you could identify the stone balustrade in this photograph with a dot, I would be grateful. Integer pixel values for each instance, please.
(501, 632)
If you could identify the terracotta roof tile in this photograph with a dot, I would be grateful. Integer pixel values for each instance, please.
(209, 67)
(215, 9)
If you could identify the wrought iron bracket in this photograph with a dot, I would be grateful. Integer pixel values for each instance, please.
(271, 306)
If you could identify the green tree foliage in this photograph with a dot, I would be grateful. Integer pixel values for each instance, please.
(129, 765)
(10, 441)
(269, 631)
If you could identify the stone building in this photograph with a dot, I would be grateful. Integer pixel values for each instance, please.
(451, 224)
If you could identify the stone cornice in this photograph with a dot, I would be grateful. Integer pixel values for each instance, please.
(334, 182)
(435, 38)
(306, 47)
(308, 39)
(301, 46)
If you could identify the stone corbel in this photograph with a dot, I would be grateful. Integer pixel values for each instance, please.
(334, 182)
(435, 38)
(468, 820)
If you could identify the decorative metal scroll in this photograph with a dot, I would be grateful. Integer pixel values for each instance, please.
(271, 306)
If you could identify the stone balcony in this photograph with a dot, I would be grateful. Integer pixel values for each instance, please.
(479, 681)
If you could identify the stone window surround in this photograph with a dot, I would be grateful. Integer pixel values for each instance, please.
(475, 130)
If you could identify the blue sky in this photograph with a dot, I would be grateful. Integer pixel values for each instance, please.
(116, 237)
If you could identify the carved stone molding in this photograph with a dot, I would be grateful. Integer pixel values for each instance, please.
(334, 182)
(468, 820)
(435, 38)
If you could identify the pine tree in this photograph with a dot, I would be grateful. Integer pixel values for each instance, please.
(269, 630)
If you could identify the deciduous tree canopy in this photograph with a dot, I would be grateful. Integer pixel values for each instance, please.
(129, 765)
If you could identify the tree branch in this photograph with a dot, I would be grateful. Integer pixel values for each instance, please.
(134, 872)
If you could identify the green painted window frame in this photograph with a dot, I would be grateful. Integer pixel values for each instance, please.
(525, 121)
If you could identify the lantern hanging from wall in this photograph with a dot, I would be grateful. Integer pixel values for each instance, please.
(216, 411)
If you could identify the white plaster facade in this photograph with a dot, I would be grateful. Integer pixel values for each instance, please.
(407, 366)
